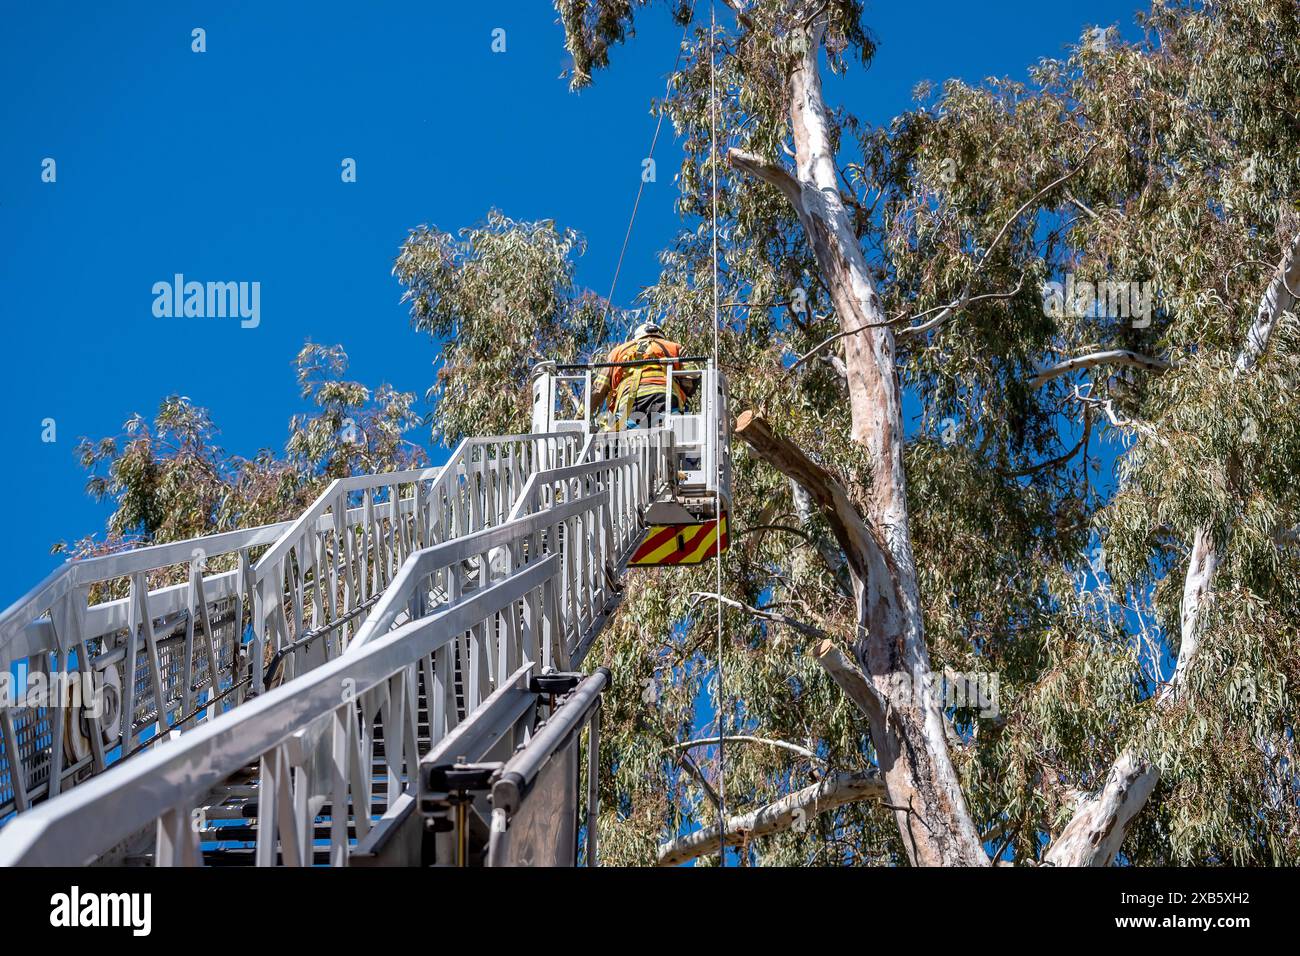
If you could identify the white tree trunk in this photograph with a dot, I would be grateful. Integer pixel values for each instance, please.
(907, 728)
(908, 733)
(1097, 829)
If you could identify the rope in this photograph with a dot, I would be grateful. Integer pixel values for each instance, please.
(717, 457)
(609, 301)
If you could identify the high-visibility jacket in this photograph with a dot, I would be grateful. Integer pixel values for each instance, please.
(627, 383)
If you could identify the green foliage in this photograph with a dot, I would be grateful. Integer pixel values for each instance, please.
(354, 433)
(168, 480)
(498, 300)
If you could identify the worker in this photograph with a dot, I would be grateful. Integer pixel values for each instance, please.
(637, 393)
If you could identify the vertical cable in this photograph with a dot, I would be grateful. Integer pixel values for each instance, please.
(654, 140)
(717, 444)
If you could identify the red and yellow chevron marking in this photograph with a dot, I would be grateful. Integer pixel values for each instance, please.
(680, 543)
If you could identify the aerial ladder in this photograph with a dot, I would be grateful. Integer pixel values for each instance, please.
(393, 678)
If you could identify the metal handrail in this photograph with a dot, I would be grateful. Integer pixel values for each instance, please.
(540, 610)
(27, 612)
(423, 563)
(317, 508)
(114, 806)
(55, 618)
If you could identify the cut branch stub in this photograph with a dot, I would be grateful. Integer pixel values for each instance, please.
(846, 522)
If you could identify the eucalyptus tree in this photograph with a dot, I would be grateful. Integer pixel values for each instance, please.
(168, 479)
(499, 297)
(1096, 262)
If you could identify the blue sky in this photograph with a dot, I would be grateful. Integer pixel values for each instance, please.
(225, 166)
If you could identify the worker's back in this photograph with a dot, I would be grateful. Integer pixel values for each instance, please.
(645, 378)
(638, 391)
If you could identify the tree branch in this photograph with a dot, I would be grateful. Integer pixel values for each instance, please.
(834, 791)
(807, 630)
(1108, 357)
(829, 551)
(964, 299)
(1060, 180)
(849, 677)
(946, 312)
(943, 316)
(693, 769)
(774, 174)
(847, 524)
(754, 528)
(742, 739)
(1099, 824)
(1280, 296)
(1059, 459)
(952, 308)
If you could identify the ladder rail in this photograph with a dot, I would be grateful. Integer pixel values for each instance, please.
(303, 598)
(170, 779)
(310, 744)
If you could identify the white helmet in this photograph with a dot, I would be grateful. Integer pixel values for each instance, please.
(646, 329)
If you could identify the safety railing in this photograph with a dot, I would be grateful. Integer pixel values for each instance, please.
(315, 586)
(527, 572)
(80, 694)
(207, 622)
(699, 445)
(591, 542)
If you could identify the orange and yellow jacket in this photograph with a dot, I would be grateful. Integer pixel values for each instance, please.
(627, 383)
